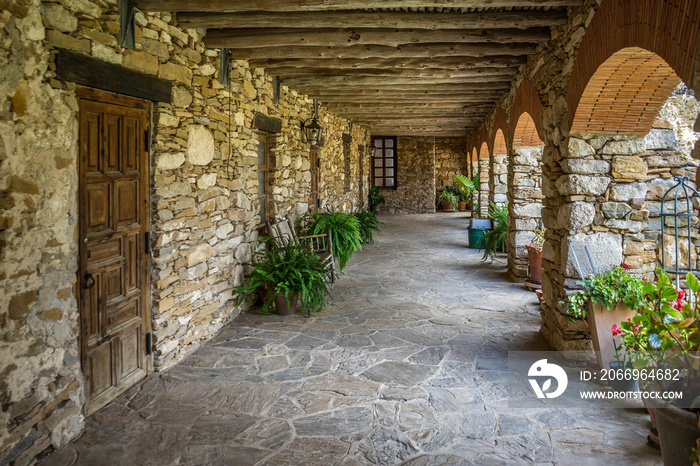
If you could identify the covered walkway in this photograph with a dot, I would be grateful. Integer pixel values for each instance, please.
(408, 367)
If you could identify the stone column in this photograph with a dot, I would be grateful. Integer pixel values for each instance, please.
(524, 205)
(498, 179)
(484, 188)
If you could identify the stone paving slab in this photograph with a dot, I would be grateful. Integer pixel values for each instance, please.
(407, 367)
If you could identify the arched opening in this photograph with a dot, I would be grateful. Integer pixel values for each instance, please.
(622, 154)
(524, 194)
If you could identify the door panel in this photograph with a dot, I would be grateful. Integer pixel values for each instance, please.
(115, 314)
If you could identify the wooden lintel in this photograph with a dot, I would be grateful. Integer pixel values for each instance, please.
(287, 37)
(324, 5)
(369, 51)
(365, 19)
(267, 124)
(91, 72)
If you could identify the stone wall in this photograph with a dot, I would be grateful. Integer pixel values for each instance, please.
(450, 160)
(524, 205)
(498, 179)
(202, 193)
(415, 191)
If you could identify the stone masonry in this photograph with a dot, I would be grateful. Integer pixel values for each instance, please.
(203, 224)
(415, 191)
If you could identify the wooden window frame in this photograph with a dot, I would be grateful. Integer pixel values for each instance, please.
(384, 158)
(265, 197)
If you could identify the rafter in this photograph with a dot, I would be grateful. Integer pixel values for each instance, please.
(366, 19)
(257, 38)
(396, 72)
(455, 63)
(323, 5)
(240, 51)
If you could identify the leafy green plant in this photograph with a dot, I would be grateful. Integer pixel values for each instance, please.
(368, 225)
(495, 240)
(608, 289)
(465, 186)
(289, 269)
(374, 198)
(448, 197)
(665, 333)
(345, 233)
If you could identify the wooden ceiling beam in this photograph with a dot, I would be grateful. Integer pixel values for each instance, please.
(397, 72)
(368, 19)
(454, 63)
(321, 82)
(323, 5)
(259, 38)
(239, 51)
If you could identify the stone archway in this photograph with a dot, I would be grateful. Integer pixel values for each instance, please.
(616, 89)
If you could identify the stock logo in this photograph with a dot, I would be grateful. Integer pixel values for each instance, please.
(541, 369)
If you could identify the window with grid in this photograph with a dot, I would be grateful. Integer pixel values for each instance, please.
(262, 178)
(384, 162)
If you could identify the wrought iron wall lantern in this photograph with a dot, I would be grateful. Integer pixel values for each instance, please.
(311, 130)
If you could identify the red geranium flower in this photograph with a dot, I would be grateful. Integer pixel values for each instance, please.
(625, 266)
(616, 330)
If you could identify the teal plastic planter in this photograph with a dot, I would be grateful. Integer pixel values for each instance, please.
(475, 234)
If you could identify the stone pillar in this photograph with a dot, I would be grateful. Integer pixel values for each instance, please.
(524, 205)
(498, 179)
(484, 188)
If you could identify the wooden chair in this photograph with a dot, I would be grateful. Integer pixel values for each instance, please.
(322, 245)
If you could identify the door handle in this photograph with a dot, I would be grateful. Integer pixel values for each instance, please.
(88, 281)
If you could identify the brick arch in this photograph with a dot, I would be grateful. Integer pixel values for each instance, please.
(668, 28)
(527, 100)
(499, 143)
(525, 132)
(625, 94)
(484, 150)
(500, 123)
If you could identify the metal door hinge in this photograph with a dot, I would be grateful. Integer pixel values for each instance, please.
(149, 343)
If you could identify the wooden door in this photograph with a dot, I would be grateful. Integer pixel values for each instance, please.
(114, 255)
(314, 199)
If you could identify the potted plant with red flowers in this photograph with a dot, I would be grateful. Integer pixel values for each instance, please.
(534, 255)
(663, 339)
(606, 299)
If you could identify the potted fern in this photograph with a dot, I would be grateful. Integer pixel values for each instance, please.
(287, 274)
(345, 232)
(495, 240)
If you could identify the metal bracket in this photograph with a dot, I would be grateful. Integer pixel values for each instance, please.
(225, 66)
(127, 31)
(278, 89)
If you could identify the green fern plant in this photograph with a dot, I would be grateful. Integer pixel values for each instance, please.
(287, 269)
(495, 240)
(345, 233)
(368, 225)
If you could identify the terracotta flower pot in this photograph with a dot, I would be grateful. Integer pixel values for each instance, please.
(462, 206)
(283, 307)
(447, 207)
(600, 322)
(534, 256)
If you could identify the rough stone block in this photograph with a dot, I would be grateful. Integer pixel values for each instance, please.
(64, 41)
(175, 72)
(657, 187)
(200, 145)
(629, 147)
(660, 139)
(626, 191)
(605, 250)
(585, 167)
(59, 18)
(579, 148)
(615, 209)
(140, 61)
(576, 215)
(628, 225)
(667, 159)
(568, 185)
(629, 167)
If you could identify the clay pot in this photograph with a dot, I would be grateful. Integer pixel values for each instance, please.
(534, 255)
(447, 207)
(678, 432)
(600, 322)
(283, 307)
(462, 206)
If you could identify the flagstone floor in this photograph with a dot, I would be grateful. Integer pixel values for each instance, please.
(407, 367)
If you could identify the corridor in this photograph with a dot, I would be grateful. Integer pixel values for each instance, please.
(407, 367)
